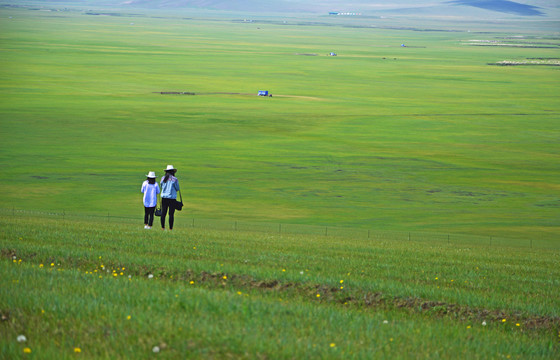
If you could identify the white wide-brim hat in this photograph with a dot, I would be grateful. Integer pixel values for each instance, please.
(170, 167)
(151, 174)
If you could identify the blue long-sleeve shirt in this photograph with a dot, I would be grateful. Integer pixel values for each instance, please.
(169, 189)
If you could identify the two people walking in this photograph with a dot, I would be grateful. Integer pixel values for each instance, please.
(169, 188)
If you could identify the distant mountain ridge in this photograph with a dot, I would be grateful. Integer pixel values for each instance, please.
(365, 7)
(504, 6)
(229, 5)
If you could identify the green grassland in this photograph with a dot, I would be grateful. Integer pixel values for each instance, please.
(432, 138)
(115, 291)
(424, 137)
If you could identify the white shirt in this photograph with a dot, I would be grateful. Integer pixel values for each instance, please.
(150, 193)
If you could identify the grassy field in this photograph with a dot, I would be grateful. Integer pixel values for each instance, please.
(112, 291)
(432, 138)
(424, 137)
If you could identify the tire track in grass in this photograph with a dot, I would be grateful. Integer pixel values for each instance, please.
(334, 295)
(320, 293)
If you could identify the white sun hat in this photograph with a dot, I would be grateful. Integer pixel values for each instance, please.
(151, 174)
(170, 167)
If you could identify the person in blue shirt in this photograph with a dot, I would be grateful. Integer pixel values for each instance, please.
(150, 189)
(169, 188)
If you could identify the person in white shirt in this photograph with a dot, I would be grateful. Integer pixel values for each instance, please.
(150, 188)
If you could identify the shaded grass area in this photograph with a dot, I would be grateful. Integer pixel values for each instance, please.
(217, 294)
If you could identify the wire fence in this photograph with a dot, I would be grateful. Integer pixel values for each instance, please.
(432, 238)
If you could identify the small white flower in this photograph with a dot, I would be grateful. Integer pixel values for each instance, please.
(301, 272)
(155, 349)
(385, 321)
(484, 323)
(130, 276)
(149, 277)
(21, 338)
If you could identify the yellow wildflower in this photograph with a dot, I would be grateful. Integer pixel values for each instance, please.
(27, 350)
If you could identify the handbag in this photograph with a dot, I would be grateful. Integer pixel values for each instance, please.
(179, 204)
(158, 209)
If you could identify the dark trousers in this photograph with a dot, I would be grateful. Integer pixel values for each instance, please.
(167, 204)
(149, 215)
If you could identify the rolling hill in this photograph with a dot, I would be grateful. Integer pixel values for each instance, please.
(367, 8)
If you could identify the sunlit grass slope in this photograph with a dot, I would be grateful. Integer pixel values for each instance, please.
(112, 291)
(422, 137)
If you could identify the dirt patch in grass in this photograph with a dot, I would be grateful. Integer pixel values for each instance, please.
(528, 62)
(234, 93)
(374, 300)
(339, 295)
